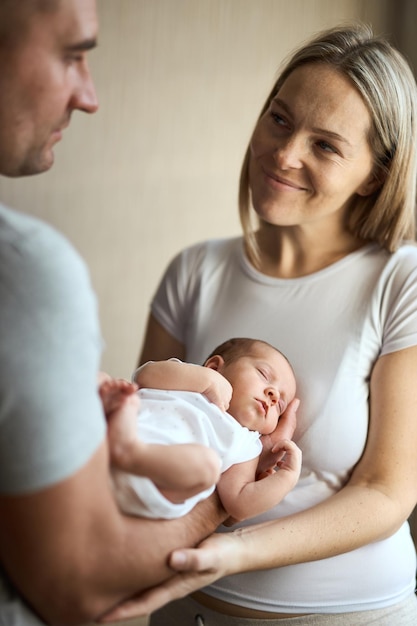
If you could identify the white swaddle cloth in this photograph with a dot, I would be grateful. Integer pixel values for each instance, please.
(174, 417)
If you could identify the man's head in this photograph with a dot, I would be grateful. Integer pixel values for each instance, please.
(44, 77)
(262, 378)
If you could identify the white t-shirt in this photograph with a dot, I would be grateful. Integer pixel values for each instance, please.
(171, 417)
(332, 325)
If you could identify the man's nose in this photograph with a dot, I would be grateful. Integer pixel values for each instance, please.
(85, 96)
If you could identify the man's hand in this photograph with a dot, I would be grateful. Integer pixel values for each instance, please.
(217, 556)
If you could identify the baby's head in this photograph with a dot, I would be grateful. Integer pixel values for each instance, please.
(262, 378)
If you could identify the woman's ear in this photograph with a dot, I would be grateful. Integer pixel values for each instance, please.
(372, 184)
(215, 362)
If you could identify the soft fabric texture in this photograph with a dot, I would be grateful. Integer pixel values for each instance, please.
(171, 417)
(187, 612)
(51, 419)
(332, 325)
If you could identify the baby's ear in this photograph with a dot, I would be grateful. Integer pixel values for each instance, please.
(215, 362)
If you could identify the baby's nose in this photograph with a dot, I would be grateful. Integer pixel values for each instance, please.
(273, 395)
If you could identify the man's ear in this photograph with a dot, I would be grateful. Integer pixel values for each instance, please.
(372, 184)
(215, 362)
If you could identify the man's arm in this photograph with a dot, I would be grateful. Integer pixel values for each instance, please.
(73, 555)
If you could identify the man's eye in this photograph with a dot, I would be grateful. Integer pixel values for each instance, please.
(277, 119)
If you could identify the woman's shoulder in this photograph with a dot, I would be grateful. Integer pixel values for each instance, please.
(404, 257)
(219, 246)
(208, 252)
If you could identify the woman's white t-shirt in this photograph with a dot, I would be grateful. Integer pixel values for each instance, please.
(332, 325)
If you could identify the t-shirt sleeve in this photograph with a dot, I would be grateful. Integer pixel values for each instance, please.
(177, 291)
(398, 302)
(51, 420)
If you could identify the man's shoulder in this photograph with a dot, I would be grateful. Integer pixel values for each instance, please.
(30, 248)
(20, 229)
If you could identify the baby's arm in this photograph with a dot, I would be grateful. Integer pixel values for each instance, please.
(179, 376)
(244, 497)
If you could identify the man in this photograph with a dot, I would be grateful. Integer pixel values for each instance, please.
(67, 554)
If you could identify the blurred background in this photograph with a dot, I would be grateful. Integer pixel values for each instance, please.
(180, 83)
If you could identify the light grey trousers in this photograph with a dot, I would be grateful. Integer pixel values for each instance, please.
(187, 612)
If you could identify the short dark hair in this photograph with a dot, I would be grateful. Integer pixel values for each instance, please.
(15, 16)
(236, 347)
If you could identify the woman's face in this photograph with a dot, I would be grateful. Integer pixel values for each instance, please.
(310, 153)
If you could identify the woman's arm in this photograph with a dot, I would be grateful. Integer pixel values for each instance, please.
(159, 345)
(376, 501)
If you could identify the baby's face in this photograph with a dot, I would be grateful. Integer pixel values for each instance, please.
(263, 385)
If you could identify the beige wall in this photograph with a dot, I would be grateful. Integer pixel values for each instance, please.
(180, 83)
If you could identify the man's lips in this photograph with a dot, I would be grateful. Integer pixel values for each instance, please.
(62, 127)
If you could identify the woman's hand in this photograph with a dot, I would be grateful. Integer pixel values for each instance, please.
(272, 453)
(219, 555)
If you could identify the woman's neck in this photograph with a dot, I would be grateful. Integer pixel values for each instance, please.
(291, 252)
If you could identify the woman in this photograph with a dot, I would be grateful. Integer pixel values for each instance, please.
(330, 173)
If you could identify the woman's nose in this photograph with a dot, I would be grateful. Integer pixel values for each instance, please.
(288, 153)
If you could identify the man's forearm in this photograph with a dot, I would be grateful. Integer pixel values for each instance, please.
(155, 540)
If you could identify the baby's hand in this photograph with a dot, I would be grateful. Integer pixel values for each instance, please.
(291, 460)
(271, 453)
(218, 390)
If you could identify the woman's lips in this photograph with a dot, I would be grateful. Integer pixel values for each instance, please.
(281, 183)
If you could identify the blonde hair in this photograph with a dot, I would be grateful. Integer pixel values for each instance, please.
(386, 83)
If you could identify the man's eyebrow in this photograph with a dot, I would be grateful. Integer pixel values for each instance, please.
(86, 44)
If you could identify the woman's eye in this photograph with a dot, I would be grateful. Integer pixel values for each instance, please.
(326, 147)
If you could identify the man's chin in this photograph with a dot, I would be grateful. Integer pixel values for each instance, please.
(34, 166)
